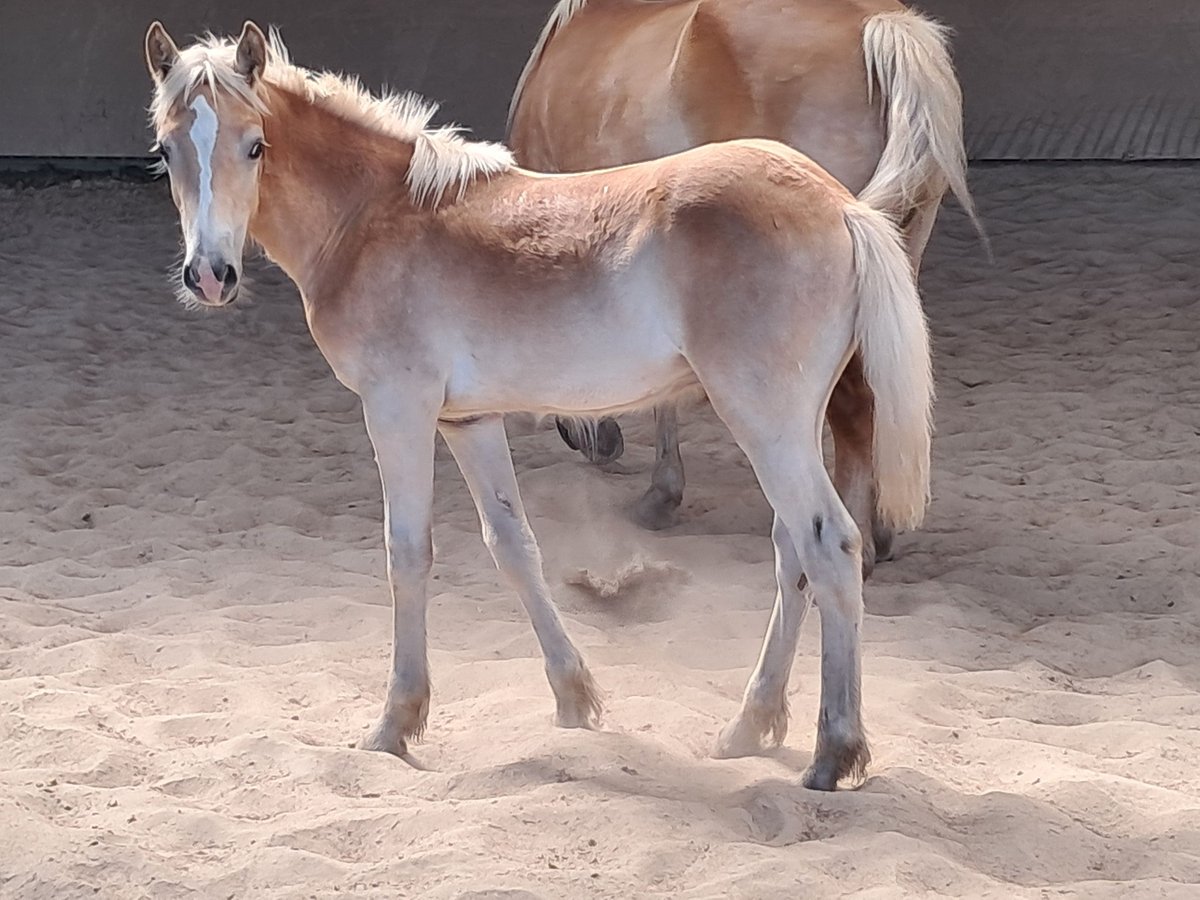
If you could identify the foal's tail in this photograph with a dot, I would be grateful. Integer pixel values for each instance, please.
(908, 58)
(894, 344)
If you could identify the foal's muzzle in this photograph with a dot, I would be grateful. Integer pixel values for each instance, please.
(213, 282)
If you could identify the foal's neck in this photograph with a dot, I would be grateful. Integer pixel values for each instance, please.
(320, 176)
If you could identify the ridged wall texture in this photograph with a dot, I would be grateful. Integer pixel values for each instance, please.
(1106, 79)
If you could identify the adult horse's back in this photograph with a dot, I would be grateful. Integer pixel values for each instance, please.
(864, 87)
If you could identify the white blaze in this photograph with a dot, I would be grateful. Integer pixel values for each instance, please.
(204, 136)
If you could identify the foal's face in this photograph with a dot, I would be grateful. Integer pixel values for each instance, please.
(211, 144)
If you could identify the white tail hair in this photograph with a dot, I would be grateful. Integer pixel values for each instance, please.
(894, 342)
(908, 57)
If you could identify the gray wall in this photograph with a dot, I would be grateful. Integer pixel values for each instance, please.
(1078, 79)
(1044, 80)
(72, 80)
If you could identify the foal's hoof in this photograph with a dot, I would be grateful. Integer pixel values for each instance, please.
(735, 742)
(384, 739)
(752, 732)
(657, 510)
(579, 701)
(833, 764)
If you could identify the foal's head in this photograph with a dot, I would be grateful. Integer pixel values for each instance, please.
(208, 121)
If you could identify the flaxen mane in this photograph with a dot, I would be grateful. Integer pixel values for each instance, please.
(562, 13)
(442, 158)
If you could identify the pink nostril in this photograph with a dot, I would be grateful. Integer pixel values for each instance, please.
(210, 286)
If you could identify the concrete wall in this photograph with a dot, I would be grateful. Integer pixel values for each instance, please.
(1089, 79)
(1044, 80)
(74, 84)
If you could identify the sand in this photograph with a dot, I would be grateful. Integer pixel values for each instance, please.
(194, 624)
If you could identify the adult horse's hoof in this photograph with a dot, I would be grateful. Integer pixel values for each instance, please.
(657, 510)
(600, 442)
(883, 537)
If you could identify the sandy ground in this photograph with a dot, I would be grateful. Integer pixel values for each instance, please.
(194, 625)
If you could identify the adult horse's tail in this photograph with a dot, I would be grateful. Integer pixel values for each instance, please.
(908, 59)
(894, 343)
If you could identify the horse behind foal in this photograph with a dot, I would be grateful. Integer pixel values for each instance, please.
(864, 87)
(439, 281)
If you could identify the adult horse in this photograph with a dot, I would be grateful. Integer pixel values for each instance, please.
(447, 287)
(863, 87)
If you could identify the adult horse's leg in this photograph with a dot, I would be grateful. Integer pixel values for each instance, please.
(785, 453)
(659, 506)
(764, 705)
(402, 429)
(851, 414)
(600, 441)
(481, 449)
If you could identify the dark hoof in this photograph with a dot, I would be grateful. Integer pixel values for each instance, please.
(657, 510)
(833, 764)
(564, 432)
(883, 537)
(609, 442)
(604, 444)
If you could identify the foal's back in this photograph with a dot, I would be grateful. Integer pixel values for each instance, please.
(669, 75)
(548, 279)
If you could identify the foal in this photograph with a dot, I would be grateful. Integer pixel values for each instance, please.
(446, 287)
(864, 87)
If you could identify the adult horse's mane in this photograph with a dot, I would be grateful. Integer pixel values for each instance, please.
(442, 157)
(562, 13)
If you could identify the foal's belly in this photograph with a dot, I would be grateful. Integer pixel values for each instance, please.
(573, 377)
(615, 350)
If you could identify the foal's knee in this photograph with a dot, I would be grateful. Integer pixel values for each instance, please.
(410, 555)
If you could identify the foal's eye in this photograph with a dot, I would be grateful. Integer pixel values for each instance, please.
(256, 150)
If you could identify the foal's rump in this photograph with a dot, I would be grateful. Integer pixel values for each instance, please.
(809, 274)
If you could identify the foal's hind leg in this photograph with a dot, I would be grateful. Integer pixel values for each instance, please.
(764, 705)
(851, 414)
(481, 449)
(786, 456)
(659, 506)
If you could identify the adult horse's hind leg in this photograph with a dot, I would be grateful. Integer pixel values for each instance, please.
(481, 449)
(851, 415)
(659, 506)
(764, 709)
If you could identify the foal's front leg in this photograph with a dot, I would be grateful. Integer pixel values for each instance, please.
(481, 449)
(402, 431)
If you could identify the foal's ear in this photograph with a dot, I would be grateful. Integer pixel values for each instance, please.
(251, 52)
(161, 52)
